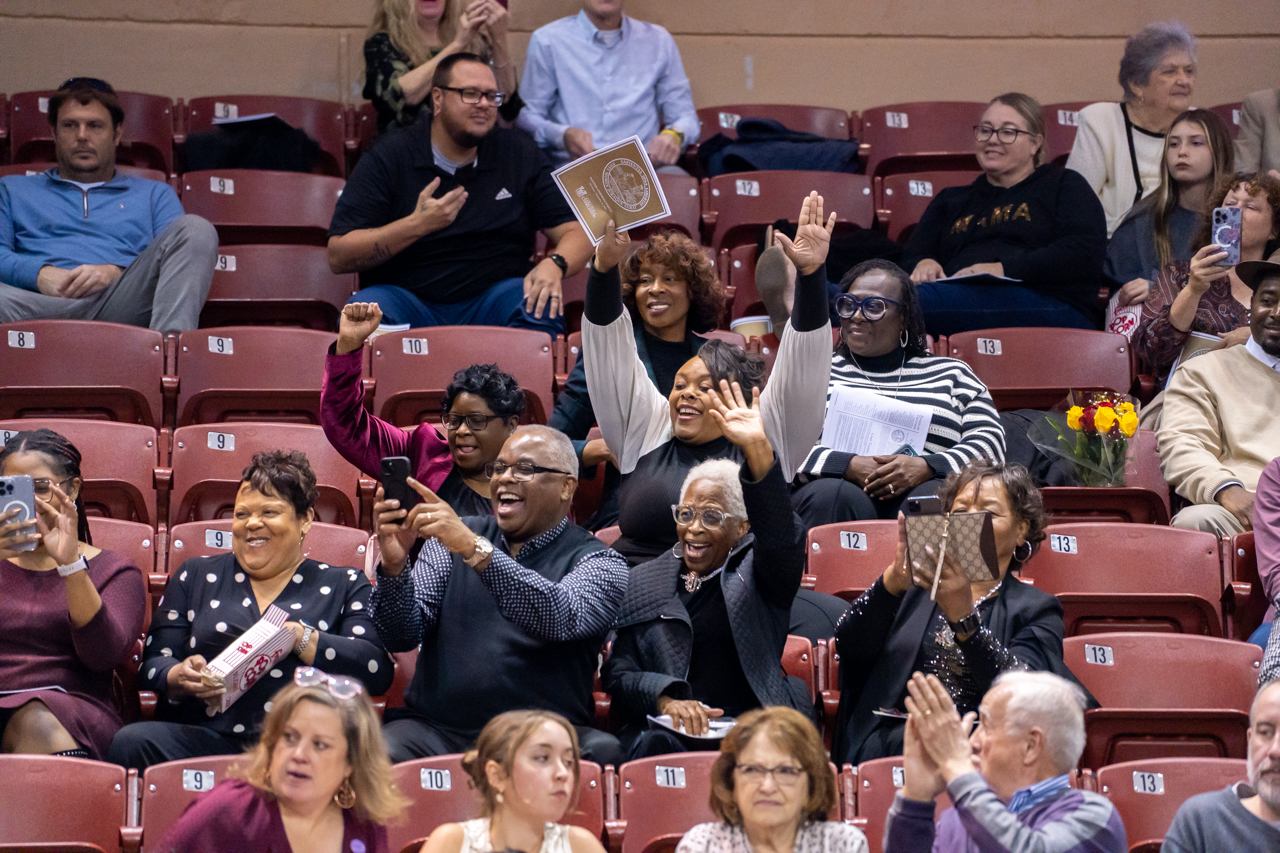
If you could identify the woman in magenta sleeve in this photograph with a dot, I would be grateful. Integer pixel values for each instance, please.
(69, 613)
(482, 407)
(319, 779)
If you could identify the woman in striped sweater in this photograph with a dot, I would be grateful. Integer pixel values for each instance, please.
(882, 349)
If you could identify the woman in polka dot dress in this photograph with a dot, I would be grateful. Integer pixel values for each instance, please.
(211, 601)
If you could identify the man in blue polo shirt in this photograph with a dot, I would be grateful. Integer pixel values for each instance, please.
(83, 242)
(440, 218)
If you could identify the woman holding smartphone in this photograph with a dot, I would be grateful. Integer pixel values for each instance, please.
(1200, 295)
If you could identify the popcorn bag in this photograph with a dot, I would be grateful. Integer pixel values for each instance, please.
(246, 660)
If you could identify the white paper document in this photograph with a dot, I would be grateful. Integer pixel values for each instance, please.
(717, 727)
(864, 423)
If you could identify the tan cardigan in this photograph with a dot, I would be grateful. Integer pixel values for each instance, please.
(1219, 424)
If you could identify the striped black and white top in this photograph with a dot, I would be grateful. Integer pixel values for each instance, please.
(964, 427)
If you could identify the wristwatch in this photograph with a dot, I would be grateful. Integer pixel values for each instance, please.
(484, 550)
(970, 624)
(307, 631)
(559, 261)
(78, 566)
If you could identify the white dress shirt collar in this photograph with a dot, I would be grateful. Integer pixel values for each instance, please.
(605, 38)
(1255, 349)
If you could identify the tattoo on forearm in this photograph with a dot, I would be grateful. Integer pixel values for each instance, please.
(379, 255)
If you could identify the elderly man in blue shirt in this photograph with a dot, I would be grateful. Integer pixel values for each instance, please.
(599, 77)
(81, 241)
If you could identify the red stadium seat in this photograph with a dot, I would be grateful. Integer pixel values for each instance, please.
(876, 784)
(918, 136)
(681, 193)
(68, 804)
(1131, 577)
(1164, 695)
(324, 121)
(1231, 115)
(260, 206)
(122, 466)
(1143, 500)
(411, 369)
(441, 792)
(208, 461)
(1245, 600)
(1034, 368)
(661, 795)
(133, 539)
(902, 198)
(147, 138)
(82, 369)
(1061, 121)
(331, 544)
(820, 121)
(251, 373)
(737, 269)
(845, 559)
(363, 130)
(270, 285)
(1147, 794)
(169, 788)
(37, 168)
(406, 664)
(799, 658)
(609, 535)
(739, 204)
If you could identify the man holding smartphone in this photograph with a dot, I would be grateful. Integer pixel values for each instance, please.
(511, 610)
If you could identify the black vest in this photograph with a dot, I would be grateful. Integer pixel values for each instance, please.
(478, 664)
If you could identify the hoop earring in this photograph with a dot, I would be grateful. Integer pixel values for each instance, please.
(1027, 557)
(904, 339)
(677, 551)
(346, 795)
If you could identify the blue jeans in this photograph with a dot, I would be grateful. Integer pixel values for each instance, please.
(1262, 635)
(501, 305)
(950, 308)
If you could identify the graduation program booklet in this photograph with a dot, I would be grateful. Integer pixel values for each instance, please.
(865, 423)
(717, 728)
(616, 182)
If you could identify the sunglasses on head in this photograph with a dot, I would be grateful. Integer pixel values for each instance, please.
(92, 82)
(339, 686)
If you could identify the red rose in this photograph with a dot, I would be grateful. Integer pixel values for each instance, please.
(1086, 421)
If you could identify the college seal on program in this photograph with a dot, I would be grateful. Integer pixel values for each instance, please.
(626, 183)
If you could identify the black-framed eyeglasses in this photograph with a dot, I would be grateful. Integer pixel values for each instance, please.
(471, 95)
(92, 82)
(983, 132)
(873, 307)
(784, 774)
(339, 686)
(522, 471)
(43, 486)
(711, 518)
(474, 422)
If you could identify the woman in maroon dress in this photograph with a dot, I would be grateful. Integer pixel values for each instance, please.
(319, 780)
(69, 612)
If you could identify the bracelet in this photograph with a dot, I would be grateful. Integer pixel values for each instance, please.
(677, 134)
(307, 631)
(77, 566)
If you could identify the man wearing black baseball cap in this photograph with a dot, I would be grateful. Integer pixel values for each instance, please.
(1219, 428)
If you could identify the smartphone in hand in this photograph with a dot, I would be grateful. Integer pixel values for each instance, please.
(1226, 234)
(396, 471)
(19, 493)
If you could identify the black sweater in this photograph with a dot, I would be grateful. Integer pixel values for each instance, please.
(1048, 230)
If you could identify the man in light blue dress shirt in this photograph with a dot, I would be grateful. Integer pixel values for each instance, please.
(599, 77)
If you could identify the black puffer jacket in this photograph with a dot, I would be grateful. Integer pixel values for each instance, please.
(654, 644)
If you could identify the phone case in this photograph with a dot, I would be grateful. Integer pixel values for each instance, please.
(394, 471)
(1226, 233)
(19, 491)
(970, 540)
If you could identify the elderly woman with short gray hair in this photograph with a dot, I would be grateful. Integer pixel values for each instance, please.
(702, 628)
(1119, 147)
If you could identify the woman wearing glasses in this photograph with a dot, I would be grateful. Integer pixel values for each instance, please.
(773, 791)
(482, 407)
(318, 780)
(882, 350)
(1038, 228)
(702, 628)
(69, 612)
(211, 601)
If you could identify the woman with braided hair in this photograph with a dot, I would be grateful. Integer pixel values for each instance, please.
(69, 612)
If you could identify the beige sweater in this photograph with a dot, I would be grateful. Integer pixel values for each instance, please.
(1101, 154)
(1219, 424)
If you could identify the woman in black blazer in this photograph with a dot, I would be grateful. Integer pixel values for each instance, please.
(968, 636)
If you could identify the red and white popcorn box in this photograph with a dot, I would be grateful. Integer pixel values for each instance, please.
(246, 660)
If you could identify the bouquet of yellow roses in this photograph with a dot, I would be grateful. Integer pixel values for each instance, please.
(1094, 438)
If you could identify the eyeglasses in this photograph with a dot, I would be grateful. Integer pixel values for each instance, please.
(473, 96)
(522, 471)
(92, 82)
(339, 686)
(783, 774)
(43, 486)
(983, 132)
(711, 518)
(475, 423)
(873, 307)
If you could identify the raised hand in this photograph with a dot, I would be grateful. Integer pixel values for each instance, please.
(743, 425)
(57, 522)
(358, 321)
(897, 577)
(921, 779)
(1204, 268)
(14, 533)
(433, 214)
(612, 249)
(809, 249)
(943, 734)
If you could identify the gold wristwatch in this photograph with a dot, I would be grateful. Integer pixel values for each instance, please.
(484, 550)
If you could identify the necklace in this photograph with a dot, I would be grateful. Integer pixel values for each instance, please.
(901, 370)
(694, 581)
(990, 593)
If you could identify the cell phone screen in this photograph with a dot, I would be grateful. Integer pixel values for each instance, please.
(395, 474)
